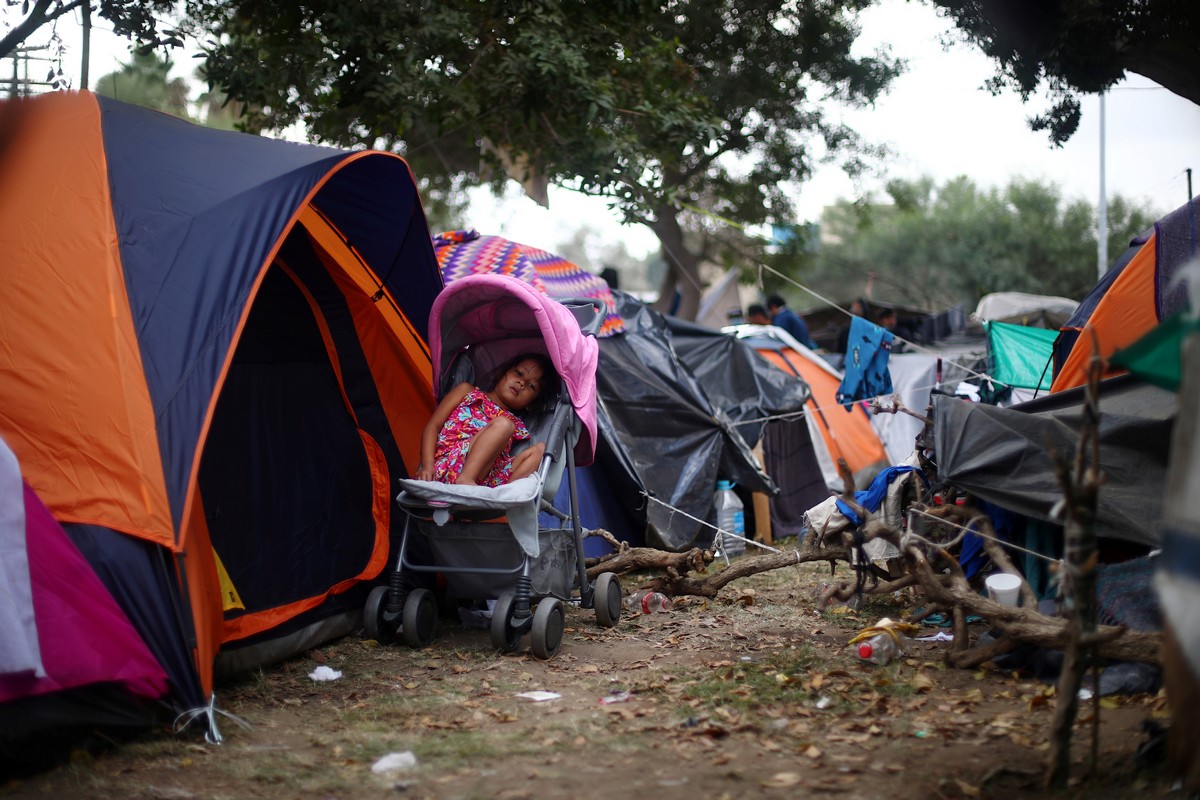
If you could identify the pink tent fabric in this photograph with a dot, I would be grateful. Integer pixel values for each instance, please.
(499, 317)
(83, 635)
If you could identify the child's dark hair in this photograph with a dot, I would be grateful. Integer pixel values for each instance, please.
(548, 395)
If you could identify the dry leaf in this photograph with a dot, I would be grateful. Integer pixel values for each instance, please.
(781, 780)
(967, 789)
(922, 682)
(813, 752)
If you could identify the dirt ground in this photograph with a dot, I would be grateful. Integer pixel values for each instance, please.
(754, 694)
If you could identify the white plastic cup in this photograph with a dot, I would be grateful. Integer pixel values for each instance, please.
(1004, 589)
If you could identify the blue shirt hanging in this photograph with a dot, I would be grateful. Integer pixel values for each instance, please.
(865, 375)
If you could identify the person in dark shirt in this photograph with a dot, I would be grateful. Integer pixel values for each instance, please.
(789, 320)
(886, 319)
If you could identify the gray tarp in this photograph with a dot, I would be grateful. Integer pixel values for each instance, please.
(1004, 455)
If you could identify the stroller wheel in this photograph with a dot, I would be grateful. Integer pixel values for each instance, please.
(547, 633)
(607, 599)
(376, 623)
(420, 618)
(504, 637)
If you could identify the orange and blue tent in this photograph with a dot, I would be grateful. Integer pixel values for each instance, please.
(1132, 298)
(213, 368)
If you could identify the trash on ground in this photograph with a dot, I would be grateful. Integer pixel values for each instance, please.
(540, 696)
(615, 697)
(940, 636)
(324, 673)
(394, 762)
(477, 618)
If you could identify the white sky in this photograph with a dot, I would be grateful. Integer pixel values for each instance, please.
(936, 119)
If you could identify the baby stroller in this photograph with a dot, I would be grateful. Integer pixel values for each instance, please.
(487, 541)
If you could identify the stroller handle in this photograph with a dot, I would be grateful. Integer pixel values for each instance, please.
(589, 312)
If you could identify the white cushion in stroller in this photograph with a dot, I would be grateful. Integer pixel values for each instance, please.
(520, 500)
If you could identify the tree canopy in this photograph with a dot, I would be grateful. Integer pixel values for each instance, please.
(136, 19)
(1074, 46)
(677, 113)
(146, 81)
(933, 247)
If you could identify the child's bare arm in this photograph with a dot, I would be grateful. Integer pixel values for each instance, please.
(429, 433)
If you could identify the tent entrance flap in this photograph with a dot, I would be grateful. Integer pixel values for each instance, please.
(284, 465)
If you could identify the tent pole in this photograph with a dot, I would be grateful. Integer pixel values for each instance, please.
(1102, 209)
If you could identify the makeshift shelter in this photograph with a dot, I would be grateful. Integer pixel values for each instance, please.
(1134, 296)
(1025, 309)
(721, 303)
(676, 439)
(1006, 455)
(213, 369)
(767, 407)
(835, 431)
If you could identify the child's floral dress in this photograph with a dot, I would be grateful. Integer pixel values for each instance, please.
(458, 431)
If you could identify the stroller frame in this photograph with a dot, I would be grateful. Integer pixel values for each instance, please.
(529, 594)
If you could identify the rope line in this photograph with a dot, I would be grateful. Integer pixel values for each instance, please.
(966, 530)
(680, 511)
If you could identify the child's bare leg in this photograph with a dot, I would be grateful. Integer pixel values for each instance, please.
(527, 461)
(485, 448)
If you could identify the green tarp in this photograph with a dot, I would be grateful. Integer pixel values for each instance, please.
(1155, 357)
(1021, 355)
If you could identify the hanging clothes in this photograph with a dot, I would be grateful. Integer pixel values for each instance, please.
(865, 372)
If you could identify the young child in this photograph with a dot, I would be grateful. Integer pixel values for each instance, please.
(469, 438)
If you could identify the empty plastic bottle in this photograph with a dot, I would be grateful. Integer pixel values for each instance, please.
(731, 517)
(648, 602)
(879, 649)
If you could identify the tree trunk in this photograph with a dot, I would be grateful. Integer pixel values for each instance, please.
(683, 266)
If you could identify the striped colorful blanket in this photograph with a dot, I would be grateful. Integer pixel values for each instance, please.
(466, 252)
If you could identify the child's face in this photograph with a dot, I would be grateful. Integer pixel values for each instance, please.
(520, 386)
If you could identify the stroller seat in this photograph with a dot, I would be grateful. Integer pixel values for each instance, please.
(487, 542)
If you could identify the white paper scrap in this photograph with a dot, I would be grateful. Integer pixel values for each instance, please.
(324, 674)
(394, 762)
(540, 697)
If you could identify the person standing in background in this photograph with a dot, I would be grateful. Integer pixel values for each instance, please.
(757, 315)
(789, 320)
(858, 308)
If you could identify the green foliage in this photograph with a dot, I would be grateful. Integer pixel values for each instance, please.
(144, 81)
(135, 19)
(713, 105)
(932, 247)
(1086, 46)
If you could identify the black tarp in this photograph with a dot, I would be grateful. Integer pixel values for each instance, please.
(763, 401)
(1005, 455)
(677, 440)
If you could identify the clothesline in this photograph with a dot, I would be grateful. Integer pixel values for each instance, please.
(788, 279)
(967, 530)
(681, 512)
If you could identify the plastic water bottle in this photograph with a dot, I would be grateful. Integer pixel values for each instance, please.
(879, 649)
(731, 518)
(648, 602)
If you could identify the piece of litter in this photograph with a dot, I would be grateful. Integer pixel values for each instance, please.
(615, 697)
(394, 762)
(1085, 693)
(323, 673)
(539, 697)
(824, 702)
(940, 636)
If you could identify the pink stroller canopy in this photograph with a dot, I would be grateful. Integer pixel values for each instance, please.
(496, 318)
